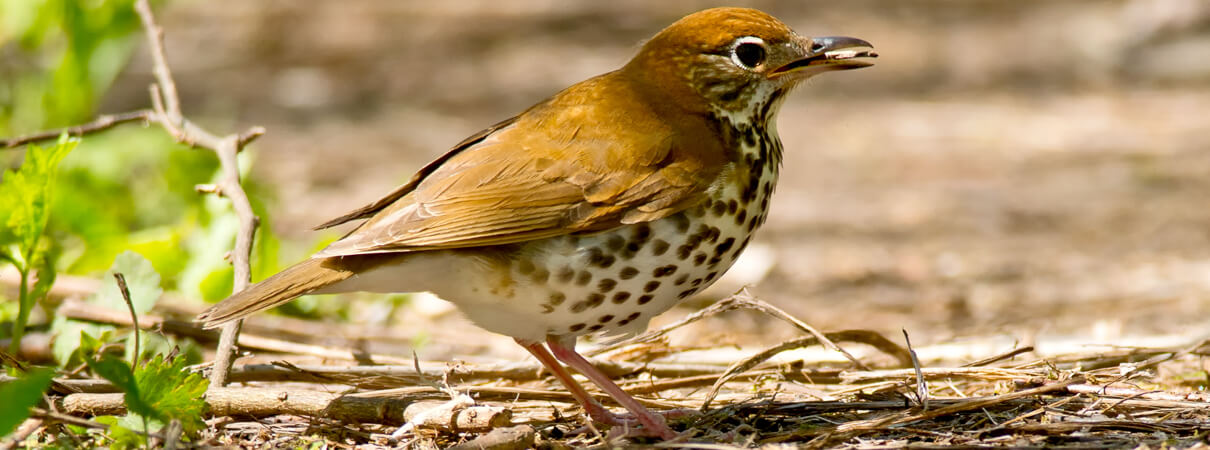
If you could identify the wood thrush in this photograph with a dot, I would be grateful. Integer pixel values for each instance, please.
(593, 210)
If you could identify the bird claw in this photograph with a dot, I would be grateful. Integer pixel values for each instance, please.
(626, 425)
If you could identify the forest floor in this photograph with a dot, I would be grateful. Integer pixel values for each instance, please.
(1046, 247)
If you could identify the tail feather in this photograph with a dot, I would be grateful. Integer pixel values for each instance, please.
(296, 280)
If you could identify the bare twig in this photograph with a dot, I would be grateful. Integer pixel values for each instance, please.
(521, 436)
(73, 420)
(1000, 357)
(134, 317)
(932, 373)
(28, 427)
(738, 300)
(168, 113)
(172, 434)
(73, 309)
(922, 390)
(261, 402)
(874, 424)
(101, 123)
(752, 361)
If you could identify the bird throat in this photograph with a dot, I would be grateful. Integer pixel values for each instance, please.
(750, 135)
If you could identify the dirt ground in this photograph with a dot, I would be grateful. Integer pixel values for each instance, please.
(1009, 173)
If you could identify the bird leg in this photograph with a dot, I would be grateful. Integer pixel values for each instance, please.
(592, 407)
(566, 352)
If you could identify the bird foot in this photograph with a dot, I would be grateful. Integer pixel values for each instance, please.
(626, 424)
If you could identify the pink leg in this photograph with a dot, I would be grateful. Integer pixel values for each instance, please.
(567, 354)
(591, 406)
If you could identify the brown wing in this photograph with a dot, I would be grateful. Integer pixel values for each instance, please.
(378, 205)
(571, 164)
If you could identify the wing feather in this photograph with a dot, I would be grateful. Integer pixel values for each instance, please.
(539, 176)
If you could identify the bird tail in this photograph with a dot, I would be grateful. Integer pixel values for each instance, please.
(296, 280)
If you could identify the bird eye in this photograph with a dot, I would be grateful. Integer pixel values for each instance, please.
(748, 52)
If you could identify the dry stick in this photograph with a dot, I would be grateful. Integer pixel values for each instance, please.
(922, 390)
(983, 373)
(521, 436)
(1043, 409)
(748, 363)
(850, 430)
(738, 300)
(73, 420)
(1000, 357)
(74, 309)
(18, 436)
(1130, 393)
(261, 402)
(101, 123)
(173, 434)
(868, 337)
(134, 317)
(168, 113)
(977, 403)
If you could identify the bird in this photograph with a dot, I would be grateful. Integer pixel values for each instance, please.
(593, 210)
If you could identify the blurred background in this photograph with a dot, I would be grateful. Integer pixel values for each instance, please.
(1009, 172)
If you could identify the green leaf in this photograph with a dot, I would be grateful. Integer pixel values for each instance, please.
(45, 263)
(144, 285)
(19, 395)
(121, 431)
(118, 372)
(160, 390)
(67, 346)
(141, 279)
(25, 195)
(174, 391)
(25, 200)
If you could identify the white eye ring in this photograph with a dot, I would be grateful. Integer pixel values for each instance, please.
(738, 59)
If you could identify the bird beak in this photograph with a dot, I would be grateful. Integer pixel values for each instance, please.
(826, 54)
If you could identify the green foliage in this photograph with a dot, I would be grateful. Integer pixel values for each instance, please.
(141, 280)
(121, 431)
(133, 189)
(24, 212)
(119, 373)
(65, 54)
(155, 393)
(144, 285)
(25, 195)
(173, 391)
(19, 395)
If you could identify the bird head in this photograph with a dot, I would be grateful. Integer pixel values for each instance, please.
(732, 60)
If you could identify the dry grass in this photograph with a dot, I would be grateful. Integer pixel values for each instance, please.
(1091, 399)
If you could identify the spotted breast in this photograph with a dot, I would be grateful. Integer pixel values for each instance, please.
(612, 282)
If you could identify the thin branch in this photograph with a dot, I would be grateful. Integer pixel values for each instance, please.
(261, 402)
(742, 299)
(748, 363)
(134, 317)
(78, 310)
(101, 123)
(1000, 357)
(163, 75)
(922, 390)
(73, 420)
(168, 108)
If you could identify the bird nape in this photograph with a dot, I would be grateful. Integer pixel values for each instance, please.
(594, 210)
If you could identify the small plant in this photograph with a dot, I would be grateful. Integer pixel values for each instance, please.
(157, 392)
(25, 197)
(19, 396)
